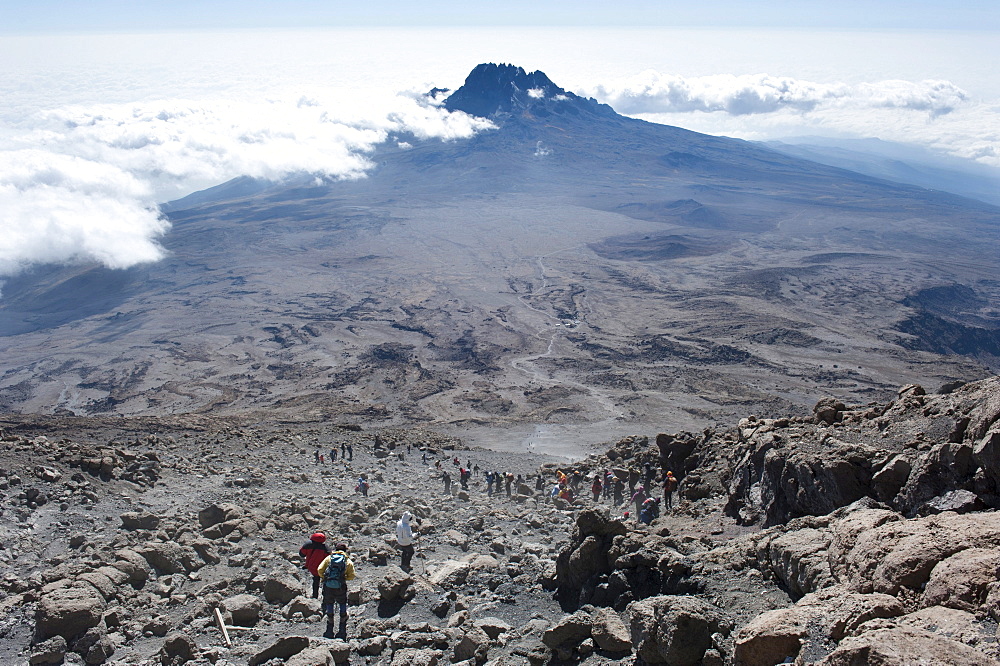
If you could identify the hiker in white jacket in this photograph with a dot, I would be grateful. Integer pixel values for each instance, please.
(404, 538)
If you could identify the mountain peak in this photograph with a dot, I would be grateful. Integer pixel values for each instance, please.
(491, 90)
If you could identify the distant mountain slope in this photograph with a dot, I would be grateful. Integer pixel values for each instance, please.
(899, 163)
(570, 273)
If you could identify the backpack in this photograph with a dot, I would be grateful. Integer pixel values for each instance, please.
(334, 574)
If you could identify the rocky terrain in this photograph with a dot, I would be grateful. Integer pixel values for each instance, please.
(854, 534)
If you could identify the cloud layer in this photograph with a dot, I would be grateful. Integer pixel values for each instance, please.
(653, 92)
(83, 183)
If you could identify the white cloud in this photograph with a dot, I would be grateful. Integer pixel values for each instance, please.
(60, 208)
(932, 113)
(653, 92)
(536, 93)
(82, 184)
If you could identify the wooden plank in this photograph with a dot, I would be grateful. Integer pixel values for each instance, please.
(222, 626)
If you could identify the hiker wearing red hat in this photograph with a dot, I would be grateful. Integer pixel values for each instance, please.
(314, 552)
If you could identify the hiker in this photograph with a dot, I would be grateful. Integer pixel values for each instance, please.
(633, 478)
(638, 498)
(343, 451)
(362, 486)
(609, 480)
(619, 491)
(333, 454)
(350, 452)
(404, 539)
(316, 456)
(669, 486)
(463, 478)
(648, 475)
(455, 461)
(649, 511)
(489, 484)
(335, 571)
(475, 470)
(595, 487)
(321, 460)
(507, 483)
(447, 482)
(539, 482)
(423, 458)
(314, 552)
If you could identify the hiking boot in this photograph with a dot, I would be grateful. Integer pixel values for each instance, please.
(329, 632)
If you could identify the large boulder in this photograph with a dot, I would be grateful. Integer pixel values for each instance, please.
(316, 656)
(963, 580)
(900, 554)
(902, 645)
(772, 637)
(139, 520)
(178, 647)
(395, 584)
(283, 648)
(169, 557)
(474, 645)
(675, 630)
(416, 657)
(244, 609)
(68, 610)
(49, 651)
(451, 573)
(218, 513)
(610, 632)
(281, 589)
(570, 631)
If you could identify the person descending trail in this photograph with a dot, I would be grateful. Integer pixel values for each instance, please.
(669, 486)
(650, 510)
(446, 477)
(362, 486)
(489, 484)
(314, 552)
(335, 571)
(619, 491)
(596, 487)
(638, 498)
(404, 539)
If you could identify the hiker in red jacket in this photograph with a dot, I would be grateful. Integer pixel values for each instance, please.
(314, 552)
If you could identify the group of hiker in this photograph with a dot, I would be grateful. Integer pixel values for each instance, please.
(331, 570)
(346, 454)
(610, 486)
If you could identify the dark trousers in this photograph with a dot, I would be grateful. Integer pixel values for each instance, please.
(406, 553)
(334, 600)
(316, 582)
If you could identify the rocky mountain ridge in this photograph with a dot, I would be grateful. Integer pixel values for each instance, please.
(859, 534)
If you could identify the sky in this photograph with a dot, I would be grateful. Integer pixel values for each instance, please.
(108, 108)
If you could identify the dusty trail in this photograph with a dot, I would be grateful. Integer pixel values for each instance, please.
(544, 437)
